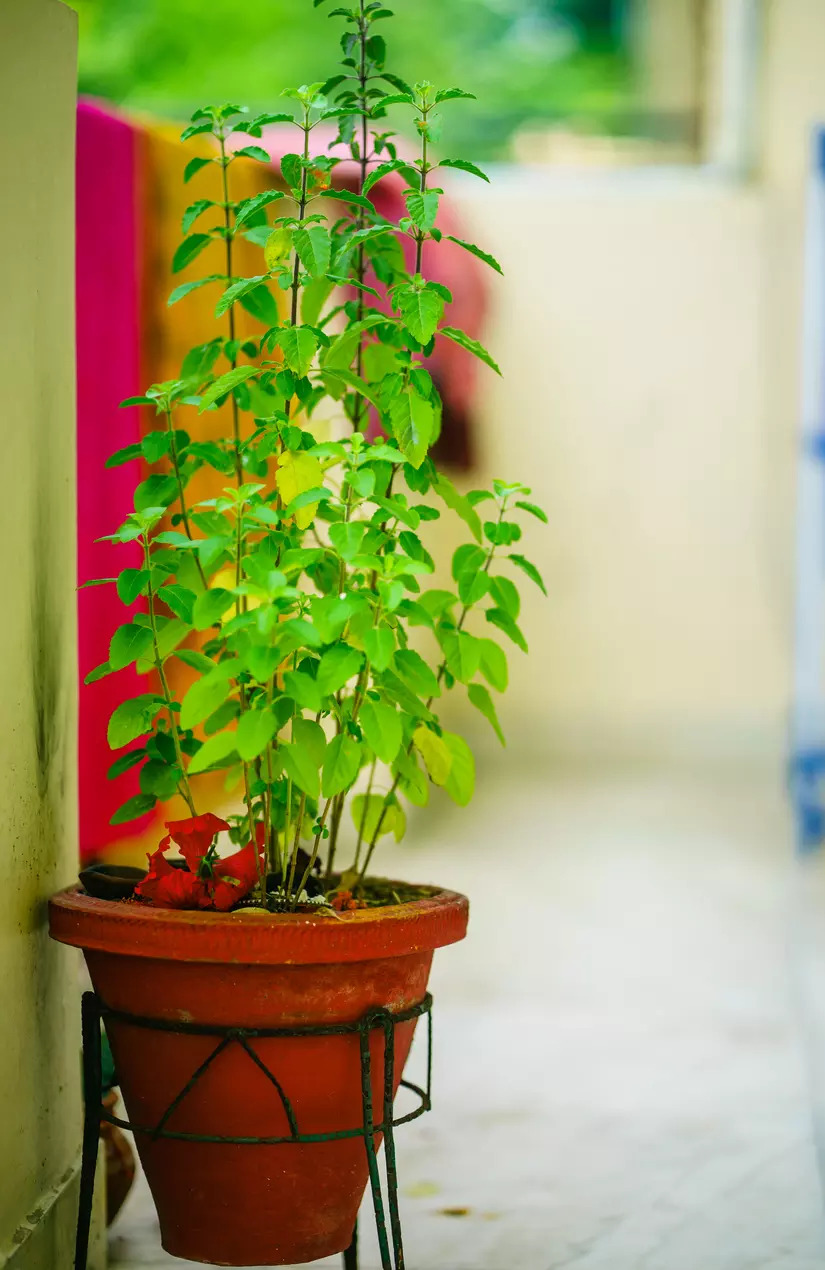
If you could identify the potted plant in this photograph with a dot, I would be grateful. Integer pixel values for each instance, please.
(298, 598)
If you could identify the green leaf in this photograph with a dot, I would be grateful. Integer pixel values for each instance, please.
(337, 667)
(256, 728)
(193, 211)
(347, 537)
(299, 765)
(133, 808)
(505, 593)
(464, 165)
(198, 661)
(193, 166)
(473, 587)
(179, 599)
(494, 664)
(127, 644)
(461, 653)
(158, 490)
(482, 701)
(369, 812)
(125, 763)
(468, 560)
(186, 287)
(299, 344)
(476, 251)
(131, 584)
(236, 291)
(381, 725)
(189, 250)
(215, 751)
(461, 781)
(530, 569)
(313, 247)
(379, 644)
(342, 763)
(422, 206)
(159, 779)
(413, 422)
(452, 94)
(311, 737)
(421, 309)
(206, 694)
(413, 669)
(250, 206)
(170, 634)
(435, 753)
(533, 509)
(260, 303)
(253, 152)
(472, 346)
(383, 169)
(133, 718)
(210, 607)
(225, 383)
(458, 503)
(99, 672)
(505, 623)
(303, 689)
(347, 196)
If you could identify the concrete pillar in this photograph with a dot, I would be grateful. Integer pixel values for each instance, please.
(39, 1053)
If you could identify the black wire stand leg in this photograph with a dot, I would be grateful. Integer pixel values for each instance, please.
(92, 1087)
(351, 1253)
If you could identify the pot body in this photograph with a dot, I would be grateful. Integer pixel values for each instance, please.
(238, 1204)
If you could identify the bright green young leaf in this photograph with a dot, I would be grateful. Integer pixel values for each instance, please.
(207, 694)
(256, 728)
(482, 701)
(421, 309)
(413, 669)
(435, 753)
(464, 165)
(303, 689)
(533, 509)
(225, 383)
(505, 623)
(337, 667)
(461, 653)
(133, 719)
(530, 569)
(234, 292)
(216, 751)
(186, 287)
(301, 768)
(311, 737)
(505, 593)
(468, 560)
(494, 664)
(462, 778)
(372, 815)
(381, 725)
(422, 207)
(299, 345)
(477, 252)
(379, 645)
(341, 764)
(189, 250)
(128, 644)
(210, 607)
(313, 246)
(131, 584)
(251, 206)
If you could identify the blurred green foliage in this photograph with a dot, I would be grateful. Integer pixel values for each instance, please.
(526, 60)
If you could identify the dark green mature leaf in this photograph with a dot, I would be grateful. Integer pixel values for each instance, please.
(521, 562)
(482, 701)
(189, 250)
(125, 763)
(342, 763)
(337, 667)
(250, 206)
(225, 383)
(195, 165)
(393, 165)
(299, 345)
(186, 287)
(347, 196)
(464, 165)
(421, 309)
(193, 211)
(476, 251)
(128, 644)
(235, 291)
(253, 152)
(133, 808)
(471, 345)
(131, 584)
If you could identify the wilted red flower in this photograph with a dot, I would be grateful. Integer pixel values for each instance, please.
(345, 902)
(226, 882)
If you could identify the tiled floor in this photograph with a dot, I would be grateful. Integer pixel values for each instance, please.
(619, 1080)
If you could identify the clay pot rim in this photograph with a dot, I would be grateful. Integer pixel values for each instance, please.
(248, 937)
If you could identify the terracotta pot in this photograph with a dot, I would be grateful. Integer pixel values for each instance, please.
(252, 1205)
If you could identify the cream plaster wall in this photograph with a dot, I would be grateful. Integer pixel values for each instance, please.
(39, 1053)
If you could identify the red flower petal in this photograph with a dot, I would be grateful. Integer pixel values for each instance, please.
(195, 835)
(235, 876)
(159, 867)
(180, 889)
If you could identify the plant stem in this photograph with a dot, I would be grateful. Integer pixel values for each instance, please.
(184, 515)
(314, 856)
(164, 683)
(233, 361)
(362, 825)
(363, 163)
(302, 207)
(419, 238)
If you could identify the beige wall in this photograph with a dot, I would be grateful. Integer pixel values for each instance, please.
(648, 328)
(39, 1054)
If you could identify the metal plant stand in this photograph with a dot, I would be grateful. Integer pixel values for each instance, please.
(389, 1240)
